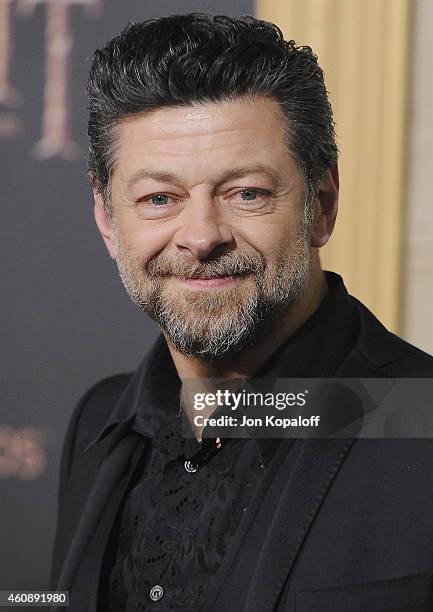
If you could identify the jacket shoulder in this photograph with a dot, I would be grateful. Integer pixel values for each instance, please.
(386, 351)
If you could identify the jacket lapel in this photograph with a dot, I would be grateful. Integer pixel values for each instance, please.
(287, 510)
(80, 572)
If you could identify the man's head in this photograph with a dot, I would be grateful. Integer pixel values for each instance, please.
(213, 160)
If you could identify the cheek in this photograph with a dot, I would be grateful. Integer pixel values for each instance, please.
(145, 240)
(269, 235)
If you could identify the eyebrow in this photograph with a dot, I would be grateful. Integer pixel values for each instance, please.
(168, 177)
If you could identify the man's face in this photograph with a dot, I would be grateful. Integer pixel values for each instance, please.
(210, 233)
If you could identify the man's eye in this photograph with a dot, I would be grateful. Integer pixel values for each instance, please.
(251, 195)
(159, 199)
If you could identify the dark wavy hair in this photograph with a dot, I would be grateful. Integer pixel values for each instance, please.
(196, 58)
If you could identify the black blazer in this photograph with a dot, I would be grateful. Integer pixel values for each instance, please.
(341, 525)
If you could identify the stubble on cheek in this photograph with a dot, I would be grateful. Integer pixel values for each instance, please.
(152, 294)
(140, 289)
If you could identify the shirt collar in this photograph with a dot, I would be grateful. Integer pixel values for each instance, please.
(151, 384)
(315, 350)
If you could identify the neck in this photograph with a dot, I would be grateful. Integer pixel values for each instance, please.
(246, 362)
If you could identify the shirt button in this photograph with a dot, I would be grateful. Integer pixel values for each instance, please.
(189, 466)
(156, 592)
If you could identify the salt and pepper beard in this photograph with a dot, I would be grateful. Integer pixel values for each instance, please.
(217, 323)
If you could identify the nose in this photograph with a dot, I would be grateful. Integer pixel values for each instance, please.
(202, 229)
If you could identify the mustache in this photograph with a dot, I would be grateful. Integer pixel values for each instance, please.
(231, 264)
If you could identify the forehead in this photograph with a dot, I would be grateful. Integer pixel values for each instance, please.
(201, 141)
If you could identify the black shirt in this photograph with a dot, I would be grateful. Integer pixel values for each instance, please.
(183, 508)
(187, 499)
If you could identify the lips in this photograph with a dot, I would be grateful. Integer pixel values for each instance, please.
(211, 282)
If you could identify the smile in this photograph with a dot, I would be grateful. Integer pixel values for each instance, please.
(209, 283)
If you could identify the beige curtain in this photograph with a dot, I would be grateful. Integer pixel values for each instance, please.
(362, 46)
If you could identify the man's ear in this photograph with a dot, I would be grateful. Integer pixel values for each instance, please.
(105, 224)
(325, 208)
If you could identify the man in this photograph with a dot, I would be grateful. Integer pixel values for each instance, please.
(214, 167)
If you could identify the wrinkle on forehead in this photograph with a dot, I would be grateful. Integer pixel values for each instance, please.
(194, 139)
(171, 123)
